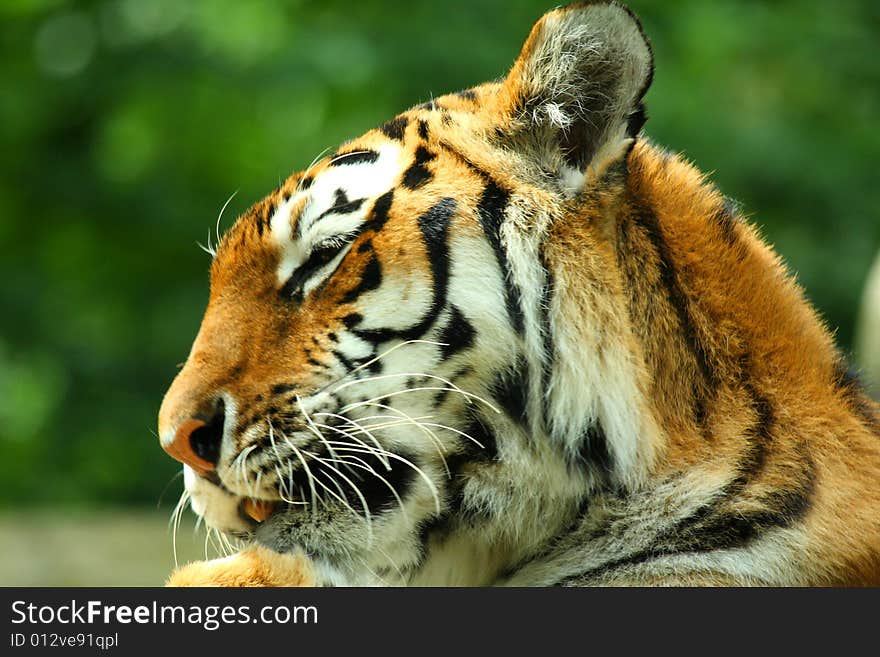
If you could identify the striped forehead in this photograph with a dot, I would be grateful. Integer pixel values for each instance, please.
(335, 203)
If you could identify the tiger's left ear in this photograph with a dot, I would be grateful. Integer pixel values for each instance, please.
(574, 95)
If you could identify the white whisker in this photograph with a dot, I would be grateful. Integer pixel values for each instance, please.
(352, 436)
(208, 537)
(340, 497)
(345, 447)
(355, 405)
(210, 250)
(281, 480)
(238, 467)
(458, 431)
(347, 461)
(174, 521)
(424, 427)
(367, 515)
(309, 477)
(312, 426)
(341, 157)
(309, 168)
(220, 216)
(376, 359)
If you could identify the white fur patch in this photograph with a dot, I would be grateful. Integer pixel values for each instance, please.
(572, 180)
(218, 508)
(360, 180)
(281, 229)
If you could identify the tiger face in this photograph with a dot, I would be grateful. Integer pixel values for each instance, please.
(357, 327)
(372, 372)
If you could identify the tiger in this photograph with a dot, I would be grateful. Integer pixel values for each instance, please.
(503, 339)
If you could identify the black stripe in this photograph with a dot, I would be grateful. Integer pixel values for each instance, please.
(549, 343)
(376, 366)
(722, 524)
(593, 452)
(467, 94)
(679, 302)
(395, 128)
(352, 320)
(371, 279)
(729, 530)
(262, 219)
(380, 213)
(358, 156)
(760, 437)
(378, 494)
(418, 174)
(488, 453)
(457, 335)
(318, 258)
(511, 389)
(727, 526)
(434, 226)
(736, 528)
(345, 362)
(491, 211)
(751, 463)
(341, 205)
(423, 129)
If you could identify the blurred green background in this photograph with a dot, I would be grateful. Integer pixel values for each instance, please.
(126, 124)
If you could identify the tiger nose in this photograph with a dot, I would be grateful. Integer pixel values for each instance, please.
(197, 440)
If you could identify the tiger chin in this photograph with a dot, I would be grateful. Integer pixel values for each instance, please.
(503, 339)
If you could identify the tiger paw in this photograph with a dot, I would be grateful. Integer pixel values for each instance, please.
(254, 566)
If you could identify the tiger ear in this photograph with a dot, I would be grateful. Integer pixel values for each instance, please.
(574, 95)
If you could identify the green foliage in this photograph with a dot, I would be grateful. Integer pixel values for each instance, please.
(126, 124)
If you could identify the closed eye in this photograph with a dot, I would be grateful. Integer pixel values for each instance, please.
(319, 257)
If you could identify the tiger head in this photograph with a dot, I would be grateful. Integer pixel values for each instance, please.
(374, 367)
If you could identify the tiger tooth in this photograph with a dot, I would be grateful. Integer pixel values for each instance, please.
(259, 510)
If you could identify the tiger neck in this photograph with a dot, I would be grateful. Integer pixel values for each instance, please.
(691, 303)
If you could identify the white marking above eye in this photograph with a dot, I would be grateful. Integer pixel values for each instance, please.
(292, 252)
(360, 180)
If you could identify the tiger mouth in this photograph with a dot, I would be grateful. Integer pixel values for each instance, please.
(256, 509)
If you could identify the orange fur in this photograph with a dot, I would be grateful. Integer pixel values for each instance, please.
(254, 566)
